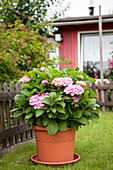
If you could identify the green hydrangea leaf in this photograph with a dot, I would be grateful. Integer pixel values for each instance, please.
(63, 116)
(46, 121)
(62, 125)
(25, 92)
(83, 120)
(28, 110)
(60, 109)
(20, 99)
(46, 100)
(17, 114)
(29, 115)
(74, 125)
(39, 112)
(52, 128)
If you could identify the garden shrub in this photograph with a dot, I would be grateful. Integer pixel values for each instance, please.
(21, 50)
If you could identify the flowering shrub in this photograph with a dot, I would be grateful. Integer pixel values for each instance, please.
(109, 72)
(21, 50)
(56, 99)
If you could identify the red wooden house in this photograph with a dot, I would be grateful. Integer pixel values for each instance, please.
(80, 42)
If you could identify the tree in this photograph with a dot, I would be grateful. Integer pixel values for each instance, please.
(35, 9)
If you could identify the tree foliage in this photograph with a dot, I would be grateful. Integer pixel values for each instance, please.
(35, 9)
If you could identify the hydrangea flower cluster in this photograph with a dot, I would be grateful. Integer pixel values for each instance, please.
(35, 100)
(82, 83)
(62, 81)
(74, 90)
(24, 79)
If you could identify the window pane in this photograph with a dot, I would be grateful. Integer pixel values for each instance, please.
(91, 53)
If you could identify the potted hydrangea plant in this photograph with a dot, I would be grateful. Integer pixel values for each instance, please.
(56, 103)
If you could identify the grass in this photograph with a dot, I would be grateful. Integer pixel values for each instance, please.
(94, 144)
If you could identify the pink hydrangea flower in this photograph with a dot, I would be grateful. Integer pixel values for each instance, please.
(82, 83)
(24, 79)
(57, 81)
(45, 82)
(75, 99)
(107, 74)
(111, 62)
(111, 66)
(43, 69)
(35, 100)
(74, 89)
(65, 81)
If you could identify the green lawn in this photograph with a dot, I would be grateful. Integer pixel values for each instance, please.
(94, 143)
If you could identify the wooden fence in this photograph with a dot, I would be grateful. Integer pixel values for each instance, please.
(107, 90)
(11, 131)
(108, 95)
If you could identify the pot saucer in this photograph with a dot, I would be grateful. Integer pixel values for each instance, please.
(75, 159)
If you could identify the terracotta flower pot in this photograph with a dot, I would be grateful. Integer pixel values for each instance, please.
(55, 148)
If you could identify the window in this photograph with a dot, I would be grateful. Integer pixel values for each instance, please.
(90, 51)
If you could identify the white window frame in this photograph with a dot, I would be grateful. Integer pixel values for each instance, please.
(80, 45)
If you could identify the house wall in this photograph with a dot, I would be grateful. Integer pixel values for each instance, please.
(69, 46)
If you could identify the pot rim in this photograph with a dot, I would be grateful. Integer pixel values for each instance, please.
(35, 127)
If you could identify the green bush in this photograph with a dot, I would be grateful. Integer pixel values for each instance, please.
(21, 50)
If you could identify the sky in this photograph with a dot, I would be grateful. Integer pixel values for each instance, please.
(80, 7)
